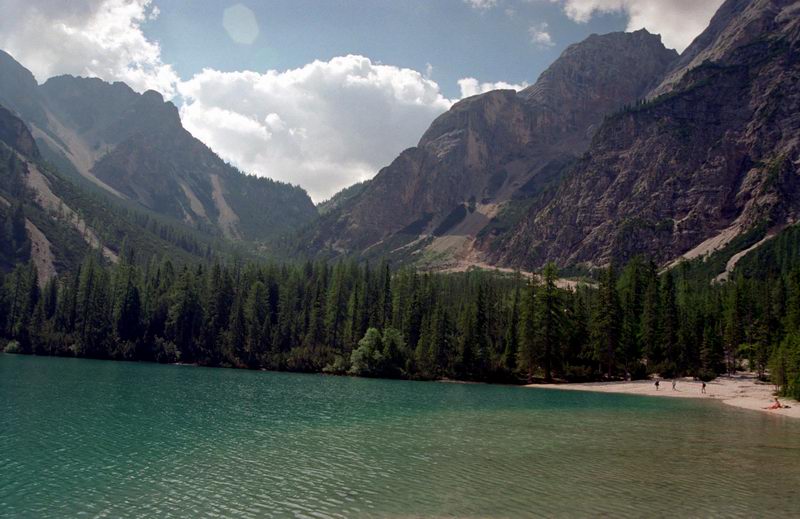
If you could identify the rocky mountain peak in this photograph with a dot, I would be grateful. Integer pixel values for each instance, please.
(487, 148)
(598, 76)
(107, 113)
(685, 174)
(737, 23)
(18, 89)
(595, 68)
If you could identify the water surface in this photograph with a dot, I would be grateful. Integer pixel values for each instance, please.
(113, 439)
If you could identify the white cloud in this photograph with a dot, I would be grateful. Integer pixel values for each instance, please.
(540, 36)
(324, 126)
(470, 86)
(678, 21)
(481, 5)
(101, 38)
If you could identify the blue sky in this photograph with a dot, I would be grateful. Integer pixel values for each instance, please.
(456, 39)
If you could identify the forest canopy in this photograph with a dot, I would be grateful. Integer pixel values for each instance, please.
(368, 320)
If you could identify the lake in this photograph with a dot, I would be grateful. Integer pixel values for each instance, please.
(115, 439)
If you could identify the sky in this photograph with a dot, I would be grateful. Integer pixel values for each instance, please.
(320, 93)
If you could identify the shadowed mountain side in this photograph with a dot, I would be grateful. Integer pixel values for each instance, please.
(687, 172)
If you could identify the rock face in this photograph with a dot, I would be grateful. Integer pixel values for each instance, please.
(713, 156)
(489, 148)
(135, 147)
(736, 23)
(15, 134)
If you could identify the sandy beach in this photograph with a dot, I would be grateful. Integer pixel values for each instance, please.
(743, 391)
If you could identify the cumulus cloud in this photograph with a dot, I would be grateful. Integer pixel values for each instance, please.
(470, 86)
(101, 38)
(540, 36)
(324, 126)
(678, 21)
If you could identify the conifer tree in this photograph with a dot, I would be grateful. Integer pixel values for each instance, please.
(526, 357)
(550, 320)
(607, 321)
(512, 336)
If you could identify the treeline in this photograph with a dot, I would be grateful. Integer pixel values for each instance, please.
(367, 320)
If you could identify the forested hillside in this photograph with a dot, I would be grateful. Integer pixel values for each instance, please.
(355, 319)
(50, 219)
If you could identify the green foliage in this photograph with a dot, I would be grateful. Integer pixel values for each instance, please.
(368, 359)
(784, 366)
(114, 221)
(607, 322)
(13, 347)
(350, 318)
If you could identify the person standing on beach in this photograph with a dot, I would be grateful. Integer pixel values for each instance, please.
(674, 382)
(657, 382)
(703, 389)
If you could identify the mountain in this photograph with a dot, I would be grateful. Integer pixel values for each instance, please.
(48, 219)
(134, 147)
(712, 159)
(340, 198)
(621, 148)
(15, 135)
(490, 149)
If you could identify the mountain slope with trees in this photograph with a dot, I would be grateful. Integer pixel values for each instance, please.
(134, 147)
(49, 219)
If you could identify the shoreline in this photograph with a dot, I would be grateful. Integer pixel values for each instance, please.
(741, 391)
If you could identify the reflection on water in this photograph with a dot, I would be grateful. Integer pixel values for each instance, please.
(140, 440)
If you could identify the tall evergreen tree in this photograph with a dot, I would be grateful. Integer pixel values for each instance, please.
(607, 321)
(526, 357)
(550, 320)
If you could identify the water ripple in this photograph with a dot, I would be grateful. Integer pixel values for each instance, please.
(106, 439)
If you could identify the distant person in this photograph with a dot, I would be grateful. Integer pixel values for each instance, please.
(775, 405)
(703, 389)
(657, 383)
(674, 382)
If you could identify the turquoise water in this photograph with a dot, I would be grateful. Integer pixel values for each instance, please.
(113, 439)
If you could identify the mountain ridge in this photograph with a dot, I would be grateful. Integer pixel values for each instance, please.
(134, 147)
(685, 173)
(488, 147)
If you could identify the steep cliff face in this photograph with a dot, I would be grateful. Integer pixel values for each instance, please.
(690, 170)
(134, 147)
(592, 79)
(15, 134)
(488, 148)
(737, 23)
(19, 90)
